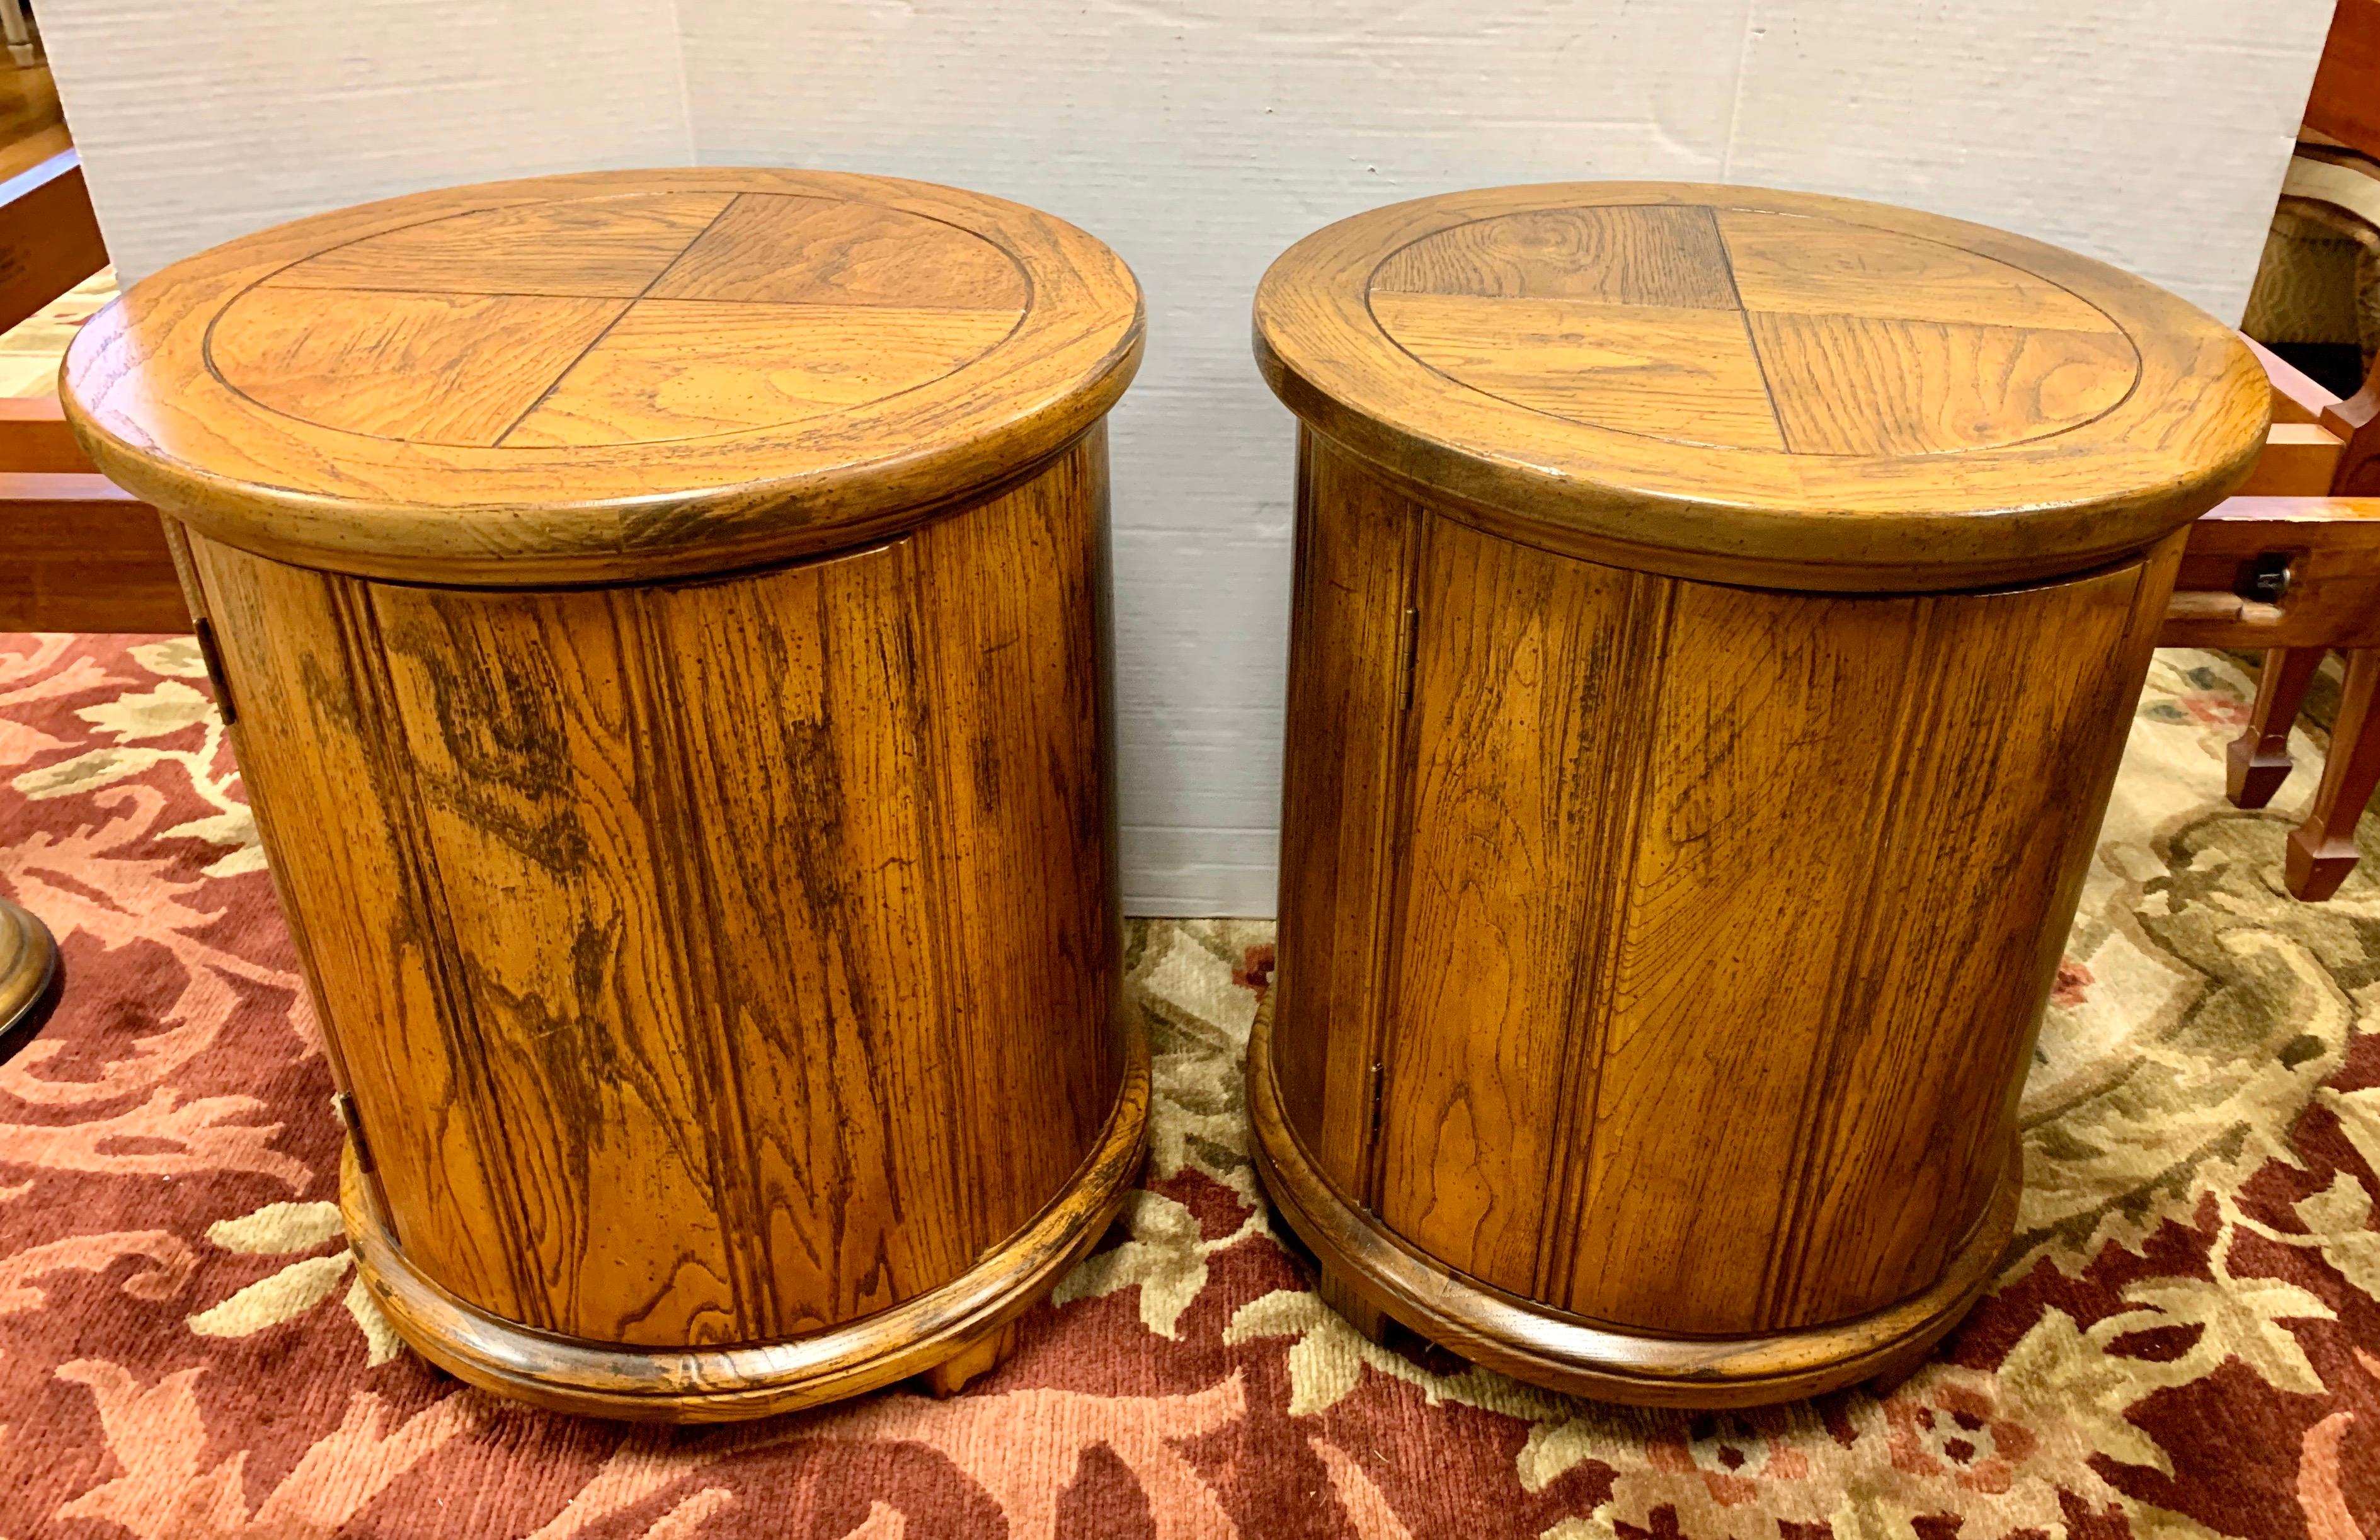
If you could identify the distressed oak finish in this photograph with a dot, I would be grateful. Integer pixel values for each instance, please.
(663, 621)
(1765, 388)
(627, 375)
(1716, 622)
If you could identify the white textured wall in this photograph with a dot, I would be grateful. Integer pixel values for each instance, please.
(2148, 133)
(1199, 137)
(201, 121)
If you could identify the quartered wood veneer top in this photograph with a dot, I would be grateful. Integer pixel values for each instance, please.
(1733, 371)
(629, 359)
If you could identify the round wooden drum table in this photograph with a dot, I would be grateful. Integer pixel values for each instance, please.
(663, 621)
(1717, 620)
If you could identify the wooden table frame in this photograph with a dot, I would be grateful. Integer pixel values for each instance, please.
(76, 553)
(2291, 567)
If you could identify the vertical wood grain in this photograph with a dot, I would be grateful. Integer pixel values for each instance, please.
(1008, 609)
(1769, 770)
(791, 699)
(541, 814)
(717, 961)
(2020, 715)
(1860, 813)
(1801, 864)
(1350, 619)
(1516, 843)
(332, 813)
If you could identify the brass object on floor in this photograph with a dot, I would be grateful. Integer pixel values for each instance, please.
(29, 959)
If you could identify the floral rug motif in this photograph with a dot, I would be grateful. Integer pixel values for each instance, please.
(2184, 1340)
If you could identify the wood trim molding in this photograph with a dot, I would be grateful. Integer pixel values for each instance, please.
(1569, 1353)
(49, 238)
(77, 553)
(35, 436)
(563, 1374)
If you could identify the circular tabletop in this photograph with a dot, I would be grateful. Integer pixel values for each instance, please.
(613, 374)
(1761, 386)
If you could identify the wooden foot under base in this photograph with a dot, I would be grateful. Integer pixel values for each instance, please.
(946, 1336)
(2322, 852)
(951, 1375)
(1884, 1381)
(1368, 1319)
(1535, 1342)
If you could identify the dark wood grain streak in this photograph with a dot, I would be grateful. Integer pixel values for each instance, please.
(945, 1330)
(1371, 1273)
(307, 738)
(1032, 940)
(1621, 930)
(514, 713)
(1512, 777)
(1628, 722)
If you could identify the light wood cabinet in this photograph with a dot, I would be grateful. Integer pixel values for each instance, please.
(663, 621)
(1718, 618)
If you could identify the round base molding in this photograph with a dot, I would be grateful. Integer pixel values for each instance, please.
(957, 1321)
(1573, 1354)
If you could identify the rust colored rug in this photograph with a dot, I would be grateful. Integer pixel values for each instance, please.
(2185, 1341)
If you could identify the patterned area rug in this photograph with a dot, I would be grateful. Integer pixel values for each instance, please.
(2185, 1341)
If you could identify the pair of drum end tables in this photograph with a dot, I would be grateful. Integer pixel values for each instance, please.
(663, 621)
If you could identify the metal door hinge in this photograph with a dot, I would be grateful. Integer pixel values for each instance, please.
(1408, 652)
(219, 681)
(343, 1107)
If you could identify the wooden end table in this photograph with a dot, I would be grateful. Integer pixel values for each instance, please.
(661, 621)
(1716, 621)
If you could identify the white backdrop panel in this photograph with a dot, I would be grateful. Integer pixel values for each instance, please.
(201, 122)
(1200, 136)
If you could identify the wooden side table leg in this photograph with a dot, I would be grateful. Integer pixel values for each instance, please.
(1368, 1319)
(1896, 1371)
(2322, 851)
(2259, 757)
(980, 1357)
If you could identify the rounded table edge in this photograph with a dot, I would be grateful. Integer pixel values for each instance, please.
(1915, 552)
(700, 532)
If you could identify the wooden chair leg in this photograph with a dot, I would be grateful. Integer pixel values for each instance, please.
(2259, 757)
(2322, 851)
